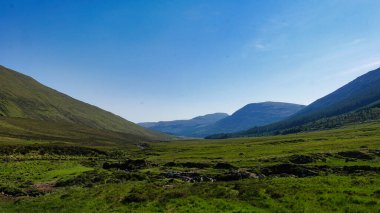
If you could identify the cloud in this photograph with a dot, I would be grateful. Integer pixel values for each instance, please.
(362, 68)
(357, 41)
(260, 46)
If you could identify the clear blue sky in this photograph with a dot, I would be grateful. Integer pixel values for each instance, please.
(163, 60)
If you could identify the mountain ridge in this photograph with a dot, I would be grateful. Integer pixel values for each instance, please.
(184, 127)
(360, 92)
(254, 114)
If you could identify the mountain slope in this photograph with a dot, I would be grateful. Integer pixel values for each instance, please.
(359, 93)
(184, 127)
(256, 114)
(23, 97)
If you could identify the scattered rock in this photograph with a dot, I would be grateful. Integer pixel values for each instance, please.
(236, 175)
(143, 146)
(188, 165)
(376, 152)
(190, 177)
(168, 186)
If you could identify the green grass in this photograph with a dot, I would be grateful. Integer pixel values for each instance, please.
(23, 97)
(38, 171)
(250, 150)
(86, 187)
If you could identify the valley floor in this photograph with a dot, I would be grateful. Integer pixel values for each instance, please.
(328, 171)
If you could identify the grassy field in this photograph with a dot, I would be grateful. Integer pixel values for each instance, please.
(334, 170)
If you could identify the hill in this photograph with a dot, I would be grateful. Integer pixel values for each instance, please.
(23, 97)
(184, 127)
(359, 93)
(252, 115)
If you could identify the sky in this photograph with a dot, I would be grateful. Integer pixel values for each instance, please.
(152, 60)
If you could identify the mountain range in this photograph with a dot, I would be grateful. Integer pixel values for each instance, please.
(24, 99)
(186, 128)
(29, 109)
(363, 92)
(256, 114)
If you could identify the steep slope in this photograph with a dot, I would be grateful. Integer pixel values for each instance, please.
(184, 127)
(28, 130)
(359, 93)
(23, 97)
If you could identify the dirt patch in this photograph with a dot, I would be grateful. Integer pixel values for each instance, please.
(360, 169)
(43, 187)
(235, 175)
(11, 191)
(224, 166)
(355, 155)
(129, 165)
(288, 170)
(301, 159)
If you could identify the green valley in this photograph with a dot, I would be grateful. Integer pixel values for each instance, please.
(332, 170)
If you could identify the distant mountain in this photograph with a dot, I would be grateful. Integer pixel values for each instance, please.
(251, 115)
(23, 97)
(184, 127)
(363, 91)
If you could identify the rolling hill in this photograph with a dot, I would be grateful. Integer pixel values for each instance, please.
(359, 93)
(23, 97)
(185, 127)
(255, 114)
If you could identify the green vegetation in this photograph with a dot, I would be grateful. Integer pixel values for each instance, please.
(58, 154)
(333, 170)
(364, 114)
(23, 97)
(362, 92)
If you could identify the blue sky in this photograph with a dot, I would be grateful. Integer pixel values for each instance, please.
(163, 60)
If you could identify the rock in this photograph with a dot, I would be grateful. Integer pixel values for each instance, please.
(190, 177)
(168, 186)
(188, 165)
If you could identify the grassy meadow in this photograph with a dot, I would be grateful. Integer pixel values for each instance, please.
(328, 171)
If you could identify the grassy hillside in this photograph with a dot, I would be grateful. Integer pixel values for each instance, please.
(328, 171)
(36, 131)
(363, 91)
(23, 97)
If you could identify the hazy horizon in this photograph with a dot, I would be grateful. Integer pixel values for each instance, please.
(159, 60)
